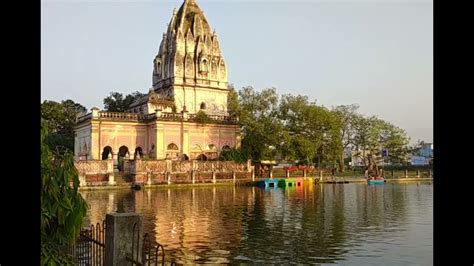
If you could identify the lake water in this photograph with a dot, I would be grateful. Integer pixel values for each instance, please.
(347, 224)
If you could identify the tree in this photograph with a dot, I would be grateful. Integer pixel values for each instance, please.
(311, 128)
(233, 106)
(60, 119)
(346, 115)
(62, 207)
(116, 102)
(371, 135)
(261, 130)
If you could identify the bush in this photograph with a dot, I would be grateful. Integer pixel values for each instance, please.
(236, 155)
(62, 207)
(202, 117)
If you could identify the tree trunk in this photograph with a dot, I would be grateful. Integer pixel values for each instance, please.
(341, 163)
(373, 167)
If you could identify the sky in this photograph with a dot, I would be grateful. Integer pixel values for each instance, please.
(378, 53)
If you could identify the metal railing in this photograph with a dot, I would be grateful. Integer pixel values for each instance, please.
(89, 248)
(152, 253)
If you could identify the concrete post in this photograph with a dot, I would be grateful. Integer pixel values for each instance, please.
(193, 176)
(213, 177)
(320, 175)
(418, 173)
(233, 175)
(249, 165)
(115, 160)
(287, 173)
(95, 112)
(271, 173)
(304, 173)
(406, 173)
(82, 180)
(118, 238)
(148, 180)
(169, 165)
(168, 176)
(110, 171)
(253, 175)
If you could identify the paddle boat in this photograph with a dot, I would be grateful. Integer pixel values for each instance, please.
(376, 180)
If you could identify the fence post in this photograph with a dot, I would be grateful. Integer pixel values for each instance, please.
(168, 176)
(429, 173)
(110, 170)
(148, 175)
(193, 176)
(253, 175)
(233, 175)
(118, 238)
(249, 165)
(320, 175)
(304, 173)
(392, 173)
(287, 174)
(271, 173)
(82, 179)
(418, 173)
(406, 173)
(213, 177)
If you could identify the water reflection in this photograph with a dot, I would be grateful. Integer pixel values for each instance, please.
(304, 224)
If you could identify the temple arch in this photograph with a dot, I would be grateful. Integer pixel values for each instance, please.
(201, 157)
(105, 152)
(123, 152)
(172, 151)
(138, 152)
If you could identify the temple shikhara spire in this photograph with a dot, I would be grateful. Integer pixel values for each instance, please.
(189, 66)
(189, 76)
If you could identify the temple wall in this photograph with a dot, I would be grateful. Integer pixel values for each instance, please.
(192, 97)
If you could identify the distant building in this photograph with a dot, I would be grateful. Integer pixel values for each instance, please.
(426, 150)
(423, 155)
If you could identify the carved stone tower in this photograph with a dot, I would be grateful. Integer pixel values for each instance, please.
(189, 66)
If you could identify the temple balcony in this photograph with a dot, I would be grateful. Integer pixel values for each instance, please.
(160, 116)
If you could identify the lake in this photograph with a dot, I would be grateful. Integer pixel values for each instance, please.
(347, 224)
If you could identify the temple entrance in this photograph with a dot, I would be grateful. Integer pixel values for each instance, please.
(123, 151)
(105, 153)
(138, 152)
(201, 157)
(172, 151)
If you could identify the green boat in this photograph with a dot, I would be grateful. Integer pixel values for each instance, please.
(375, 181)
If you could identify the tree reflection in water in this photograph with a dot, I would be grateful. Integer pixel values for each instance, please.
(308, 224)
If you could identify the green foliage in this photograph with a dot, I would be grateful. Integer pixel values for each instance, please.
(62, 207)
(116, 102)
(233, 102)
(202, 117)
(261, 129)
(60, 119)
(313, 130)
(346, 115)
(236, 155)
(294, 129)
(372, 134)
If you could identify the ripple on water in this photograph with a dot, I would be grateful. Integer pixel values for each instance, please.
(349, 224)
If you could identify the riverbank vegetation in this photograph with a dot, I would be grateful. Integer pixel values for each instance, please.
(62, 207)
